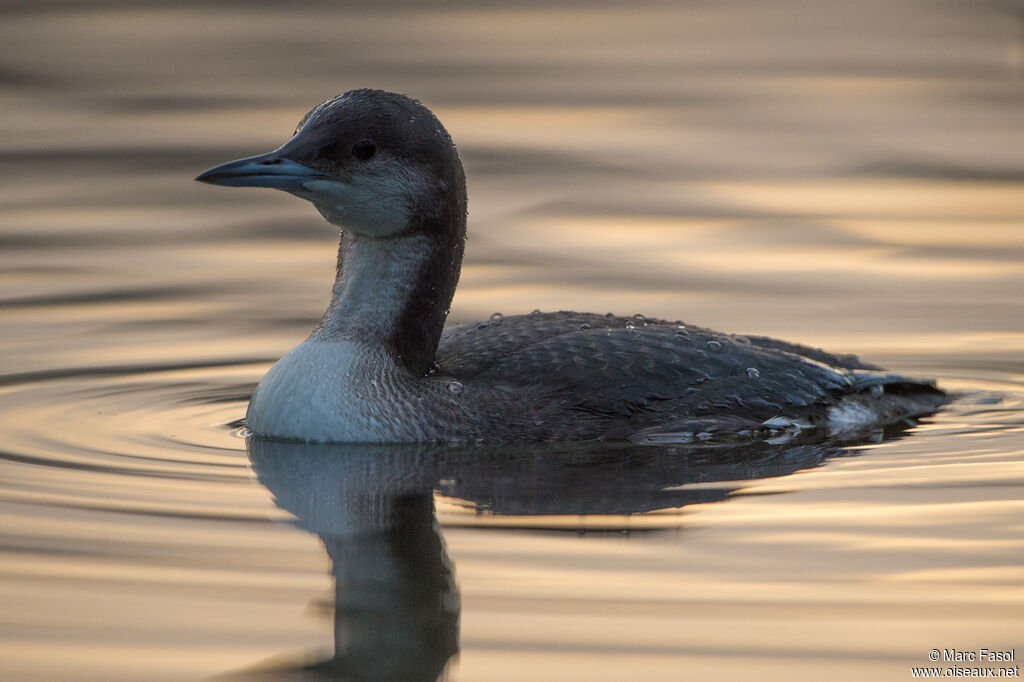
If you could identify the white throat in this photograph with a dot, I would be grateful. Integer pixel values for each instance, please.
(375, 279)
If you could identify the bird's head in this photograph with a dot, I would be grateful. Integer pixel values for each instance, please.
(375, 163)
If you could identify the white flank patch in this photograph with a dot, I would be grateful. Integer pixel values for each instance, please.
(851, 414)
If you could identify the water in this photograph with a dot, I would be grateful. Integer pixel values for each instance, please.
(845, 175)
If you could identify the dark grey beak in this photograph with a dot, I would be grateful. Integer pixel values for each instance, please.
(265, 170)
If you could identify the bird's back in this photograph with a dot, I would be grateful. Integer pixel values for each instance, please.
(580, 374)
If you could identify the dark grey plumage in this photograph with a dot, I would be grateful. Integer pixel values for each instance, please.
(581, 375)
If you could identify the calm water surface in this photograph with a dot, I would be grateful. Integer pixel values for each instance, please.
(846, 175)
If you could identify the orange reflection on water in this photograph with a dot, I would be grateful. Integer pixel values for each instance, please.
(917, 199)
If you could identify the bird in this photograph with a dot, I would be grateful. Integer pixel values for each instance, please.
(380, 367)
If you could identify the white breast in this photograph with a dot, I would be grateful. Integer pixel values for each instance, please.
(324, 391)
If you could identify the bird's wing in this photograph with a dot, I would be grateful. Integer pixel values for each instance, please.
(625, 366)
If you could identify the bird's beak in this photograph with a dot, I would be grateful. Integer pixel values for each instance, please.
(266, 170)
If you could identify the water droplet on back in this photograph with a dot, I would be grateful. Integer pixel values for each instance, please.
(585, 326)
(714, 346)
(630, 324)
(753, 373)
(456, 388)
(496, 316)
(741, 340)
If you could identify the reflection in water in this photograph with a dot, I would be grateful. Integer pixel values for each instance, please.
(396, 605)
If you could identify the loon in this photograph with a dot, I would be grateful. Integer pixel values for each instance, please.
(380, 367)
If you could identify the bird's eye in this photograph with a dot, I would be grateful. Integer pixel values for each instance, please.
(364, 149)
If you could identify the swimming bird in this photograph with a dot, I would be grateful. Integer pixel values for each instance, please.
(380, 366)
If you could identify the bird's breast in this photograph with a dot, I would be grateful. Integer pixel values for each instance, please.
(324, 391)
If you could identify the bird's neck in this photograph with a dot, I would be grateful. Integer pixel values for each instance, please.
(393, 294)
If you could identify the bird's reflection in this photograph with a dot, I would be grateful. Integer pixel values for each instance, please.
(396, 603)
